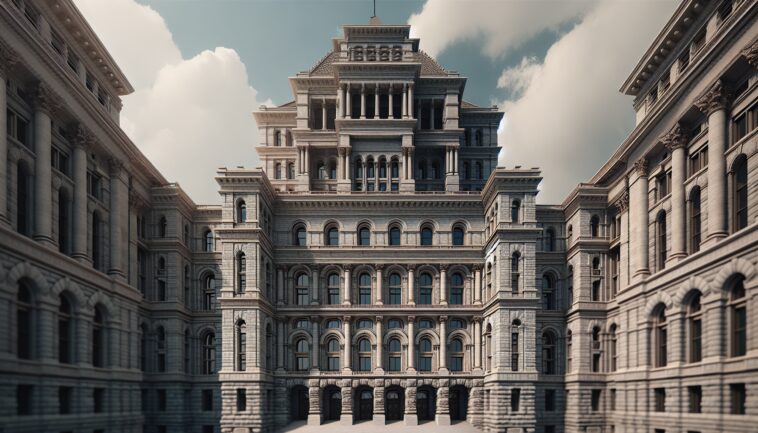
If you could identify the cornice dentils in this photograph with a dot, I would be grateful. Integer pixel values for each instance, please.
(716, 98)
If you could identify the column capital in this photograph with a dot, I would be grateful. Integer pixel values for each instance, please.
(411, 319)
(411, 267)
(714, 99)
(751, 54)
(477, 319)
(443, 268)
(8, 59)
(44, 99)
(622, 203)
(115, 166)
(640, 166)
(347, 267)
(477, 267)
(80, 136)
(315, 318)
(346, 320)
(379, 319)
(379, 267)
(674, 139)
(443, 319)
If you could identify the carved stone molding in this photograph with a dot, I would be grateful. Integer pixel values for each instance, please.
(716, 98)
(80, 136)
(8, 59)
(640, 166)
(43, 98)
(116, 166)
(622, 204)
(675, 138)
(751, 54)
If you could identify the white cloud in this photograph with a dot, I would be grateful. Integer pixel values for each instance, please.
(518, 78)
(504, 25)
(189, 116)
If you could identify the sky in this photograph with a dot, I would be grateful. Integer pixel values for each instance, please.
(201, 67)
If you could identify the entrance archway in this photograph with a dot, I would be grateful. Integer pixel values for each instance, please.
(426, 403)
(394, 403)
(364, 403)
(331, 403)
(458, 403)
(299, 403)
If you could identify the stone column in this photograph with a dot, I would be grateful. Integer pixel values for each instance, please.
(376, 101)
(348, 102)
(477, 284)
(455, 160)
(81, 140)
(442, 415)
(714, 103)
(8, 59)
(341, 109)
(323, 113)
(346, 417)
(379, 344)
(477, 343)
(118, 198)
(411, 417)
(638, 198)
(43, 200)
(411, 344)
(314, 403)
(443, 285)
(280, 338)
(411, 286)
(346, 286)
(316, 349)
(410, 100)
(443, 344)
(280, 285)
(390, 111)
(363, 100)
(379, 295)
(404, 102)
(379, 414)
(316, 286)
(347, 344)
(675, 142)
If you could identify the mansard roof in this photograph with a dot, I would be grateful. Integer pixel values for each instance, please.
(325, 66)
(429, 66)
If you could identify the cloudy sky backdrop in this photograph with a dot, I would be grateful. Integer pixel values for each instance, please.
(200, 67)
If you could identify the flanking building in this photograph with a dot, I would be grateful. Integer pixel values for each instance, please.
(379, 266)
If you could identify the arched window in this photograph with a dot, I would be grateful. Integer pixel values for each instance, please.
(394, 169)
(278, 171)
(364, 289)
(570, 287)
(478, 172)
(290, 170)
(515, 274)
(425, 289)
(488, 347)
(364, 355)
(548, 292)
(660, 337)
(613, 347)
(332, 236)
(435, 171)
(456, 289)
(456, 355)
(568, 351)
(695, 220)
(515, 211)
(594, 226)
(427, 235)
(549, 240)
(548, 353)
(299, 236)
(241, 211)
(394, 235)
(241, 272)
(209, 353)
(425, 355)
(478, 135)
(160, 337)
(695, 329)
(23, 200)
(740, 193)
(394, 291)
(99, 346)
(358, 169)
(277, 138)
(186, 352)
(208, 241)
(65, 331)
(661, 247)
(370, 168)
(333, 324)
(333, 288)
(64, 222)
(488, 280)
(302, 289)
(333, 355)
(738, 316)
(364, 236)
(162, 227)
(595, 289)
(241, 332)
(394, 349)
(458, 235)
(302, 355)
(209, 292)
(595, 350)
(515, 345)
(97, 241)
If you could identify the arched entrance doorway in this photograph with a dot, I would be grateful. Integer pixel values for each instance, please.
(299, 403)
(364, 403)
(394, 403)
(331, 403)
(426, 403)
(458, 403)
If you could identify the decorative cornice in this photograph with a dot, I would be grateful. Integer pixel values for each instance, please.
(751, 54)
(716, 98)
(674, 139)
(8, 59)
(640, 166)
(622, 204)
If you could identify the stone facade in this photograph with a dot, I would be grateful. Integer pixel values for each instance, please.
(379, 266)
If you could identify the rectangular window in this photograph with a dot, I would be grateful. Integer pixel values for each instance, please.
(143, 400)
(515, 399)
(737, 398)
(364, 363)
(659, 399)
(549, 400)
(365, 296)
(98, 400)
(695, 394)
(241, 399)
(303, 297)
(394, 363)
(65, 394)
(612, 403)
(207, 400)
(161, 394)
(333, 363)
(456, 363)
(514, 351)
(739, 127)
(394, 295)
(24, 400)
(596, 393)
(425, 363)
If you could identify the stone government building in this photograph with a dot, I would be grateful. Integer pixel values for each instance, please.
(380, 265)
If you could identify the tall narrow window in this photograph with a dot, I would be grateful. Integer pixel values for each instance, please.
(515, 345)
(695, 220)
(65, 329)
(737, 397)
(568, 351)
(23, 200)
(394, 289)
(548, 353)
(458, 235)
(241, 211)
(302, 355)
(594, 226)
(209, 292)
(333, 355)
(695, 394)
(332, 237)
(241, 272)
(549, 241)
(98, 339)
(456, 355)
(24, 336)
(364, 355)
(738, 316)
(515, 399)
(740, 187)
(661, 338)
(299, 236)
(613, 347)
(241, 346)
(187, 353)
(394, 349)
(64, 222)
(661, 227)
(425, 289)
(425, 355)
(96, 247)
(364, 236)
(456, 289)
(333, 289)
(426, 236)
(395, 236)
(515, 211)
(548, 295)
(364, 289)
(302, 289)
(208, 241)
(209, 353)
(162, 227)
(515, 274)
(160, 336)
(695, 329)
(595, 350)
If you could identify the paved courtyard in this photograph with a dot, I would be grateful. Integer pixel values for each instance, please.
(369, 426)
